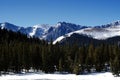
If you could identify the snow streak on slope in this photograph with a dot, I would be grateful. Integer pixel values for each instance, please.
(34, 76)
(33, 31)
(58, 39)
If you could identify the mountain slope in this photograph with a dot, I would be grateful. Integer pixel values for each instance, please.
(9, 26)
(97, 32)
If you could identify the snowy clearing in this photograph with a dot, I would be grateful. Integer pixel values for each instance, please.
(42, 76)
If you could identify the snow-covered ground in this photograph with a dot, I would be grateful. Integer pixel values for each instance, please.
(42, 76)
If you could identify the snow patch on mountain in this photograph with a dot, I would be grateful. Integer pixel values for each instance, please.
(57, 25)
(33, 31)
(2, 26)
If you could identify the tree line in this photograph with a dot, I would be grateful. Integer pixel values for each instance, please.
(18, 52)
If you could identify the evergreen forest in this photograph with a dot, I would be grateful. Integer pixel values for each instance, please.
(18, 52)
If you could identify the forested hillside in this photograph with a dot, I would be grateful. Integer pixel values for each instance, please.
(18, 52)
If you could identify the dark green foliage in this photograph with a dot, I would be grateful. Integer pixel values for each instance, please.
(115, 61)
(18, 52)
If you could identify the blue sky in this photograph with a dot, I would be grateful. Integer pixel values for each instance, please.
(83, 12)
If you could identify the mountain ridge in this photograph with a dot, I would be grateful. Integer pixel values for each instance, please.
(61, 29)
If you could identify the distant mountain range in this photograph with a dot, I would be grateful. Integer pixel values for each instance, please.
(63, 30)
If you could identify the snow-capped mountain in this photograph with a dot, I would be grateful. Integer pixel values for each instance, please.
(97, 32)
(37, 30)
(44, 31)
(61, 30)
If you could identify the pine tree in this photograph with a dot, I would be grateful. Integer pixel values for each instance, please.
(115, 68)
(60, 65)
(76, 69)
(82, 59)
(90, 59)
